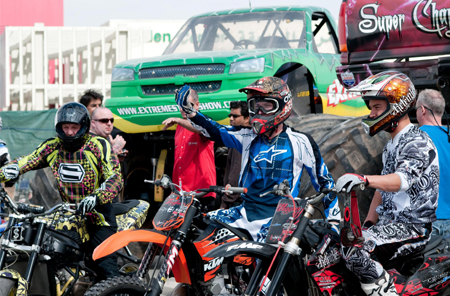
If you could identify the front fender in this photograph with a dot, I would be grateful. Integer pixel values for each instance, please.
(121, 239)
(22, 284)
(251, 249)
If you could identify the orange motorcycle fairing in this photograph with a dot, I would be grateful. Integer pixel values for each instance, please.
(121, 239)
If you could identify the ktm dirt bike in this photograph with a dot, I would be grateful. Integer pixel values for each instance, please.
(304, 258)
(184, 234)
(41, 251)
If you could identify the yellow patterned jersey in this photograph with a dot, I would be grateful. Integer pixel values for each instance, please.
(92, 170)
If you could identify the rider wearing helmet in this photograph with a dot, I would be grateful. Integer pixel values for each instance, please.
(403, 207)
(4, 153)
(86, 171)
(271, 152)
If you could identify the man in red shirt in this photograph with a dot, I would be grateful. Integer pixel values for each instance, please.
(194, 165)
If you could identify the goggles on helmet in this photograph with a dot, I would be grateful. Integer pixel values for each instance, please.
(267, 105)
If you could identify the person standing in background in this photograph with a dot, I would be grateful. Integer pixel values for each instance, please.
(102, 125)
(91, 100)
(430, 107)
(239, 116)
(194, 164)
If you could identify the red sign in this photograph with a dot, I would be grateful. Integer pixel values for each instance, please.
(381, 29)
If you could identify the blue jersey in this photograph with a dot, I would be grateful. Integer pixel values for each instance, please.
(442, 144)
(267, 163)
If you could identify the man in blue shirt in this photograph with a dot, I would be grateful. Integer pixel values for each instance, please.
(271, 152)
(430, 107)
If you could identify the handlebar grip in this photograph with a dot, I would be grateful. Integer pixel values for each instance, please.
(29, 208)
(236, 189)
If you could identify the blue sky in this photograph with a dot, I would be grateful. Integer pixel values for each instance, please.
(98, 12)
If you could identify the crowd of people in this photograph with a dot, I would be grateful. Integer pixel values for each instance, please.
(263, 152)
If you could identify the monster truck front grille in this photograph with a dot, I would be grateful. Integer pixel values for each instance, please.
(169, 89)
(188, 70)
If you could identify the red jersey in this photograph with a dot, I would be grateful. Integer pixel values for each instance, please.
(194, 160)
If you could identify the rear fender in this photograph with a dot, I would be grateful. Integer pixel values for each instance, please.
(121, 239)
(251, 249)
(22, 284)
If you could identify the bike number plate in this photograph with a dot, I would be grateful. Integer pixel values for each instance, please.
(16, 233)
(284, 222)
(172, 211)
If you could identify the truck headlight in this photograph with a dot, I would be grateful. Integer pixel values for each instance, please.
(253, 65)
(122, 74)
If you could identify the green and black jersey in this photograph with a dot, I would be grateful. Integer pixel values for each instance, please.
(93, 169)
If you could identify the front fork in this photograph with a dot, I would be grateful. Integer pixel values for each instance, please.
(33, 254)
(157, 284)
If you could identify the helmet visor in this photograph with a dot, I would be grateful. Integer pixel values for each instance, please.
(71, 114)
(267, 105)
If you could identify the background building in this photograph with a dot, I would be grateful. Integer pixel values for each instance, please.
(42, 67)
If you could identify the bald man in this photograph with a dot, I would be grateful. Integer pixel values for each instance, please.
(102, 125)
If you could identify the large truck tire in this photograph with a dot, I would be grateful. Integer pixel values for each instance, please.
(345, 148)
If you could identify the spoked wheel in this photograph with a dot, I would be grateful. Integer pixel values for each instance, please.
(8, 287)
(118, 286)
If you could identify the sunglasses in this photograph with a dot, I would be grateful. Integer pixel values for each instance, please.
(234, 115)
(105, 120)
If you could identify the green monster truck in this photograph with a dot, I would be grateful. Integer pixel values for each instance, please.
(216, 54)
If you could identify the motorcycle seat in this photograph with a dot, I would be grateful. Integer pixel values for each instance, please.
(124, 206)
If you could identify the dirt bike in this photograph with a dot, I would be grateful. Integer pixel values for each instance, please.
(41, 251)
(310, 260)
(183, 233)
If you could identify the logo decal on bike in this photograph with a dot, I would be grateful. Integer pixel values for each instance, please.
(245, 246)
(268, 155)
(221, 235)
(171, 259)
(71, 172)
(211, 265)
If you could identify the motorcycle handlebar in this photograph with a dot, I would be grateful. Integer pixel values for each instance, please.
(235, 189)
(221, 189)
(165, 182)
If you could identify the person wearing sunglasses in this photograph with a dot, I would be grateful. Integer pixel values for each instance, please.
(271, 153)
(86, 173)
(430, 107)
(239, 117)
(102, 125)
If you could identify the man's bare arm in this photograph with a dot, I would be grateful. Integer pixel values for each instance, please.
(180, 121)
(388, 183)
(372, 215)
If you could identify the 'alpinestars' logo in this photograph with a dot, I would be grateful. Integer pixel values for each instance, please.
(268, 155)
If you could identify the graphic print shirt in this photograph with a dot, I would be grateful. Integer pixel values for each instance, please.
(91, 170)
(413, 157)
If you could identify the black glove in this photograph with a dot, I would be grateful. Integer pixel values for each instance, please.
(87, 204)
(348, 181)
(367, 225)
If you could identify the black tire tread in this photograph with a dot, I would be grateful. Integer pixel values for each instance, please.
(118, 284)
(7, 286)
(345, 148)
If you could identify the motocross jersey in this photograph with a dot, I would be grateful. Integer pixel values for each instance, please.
(91, 170)
(414, 158)
(267, 163)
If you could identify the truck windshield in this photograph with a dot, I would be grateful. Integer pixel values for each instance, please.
(274, 29)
